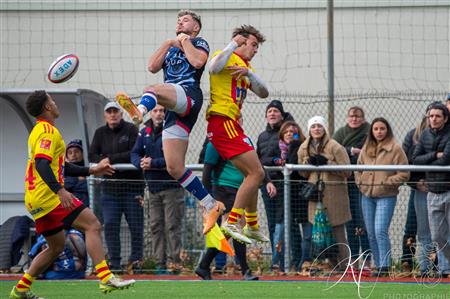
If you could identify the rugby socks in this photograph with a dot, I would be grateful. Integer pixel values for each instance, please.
(148, 102)
(235, 215)
(251, 218)
(103, 272)
(24, 283)
(192, 183)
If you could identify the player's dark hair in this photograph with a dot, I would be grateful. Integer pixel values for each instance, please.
(246, 30)
(35, 102)
(193, 14)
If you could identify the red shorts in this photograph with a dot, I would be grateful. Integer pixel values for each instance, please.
(58, 219)
(227, 137)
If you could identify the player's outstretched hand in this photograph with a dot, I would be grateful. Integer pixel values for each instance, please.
(66, 198)
(240, 40)
(238, 71)
(102, 168)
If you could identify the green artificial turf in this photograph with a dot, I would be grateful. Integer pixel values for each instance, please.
(235, 289)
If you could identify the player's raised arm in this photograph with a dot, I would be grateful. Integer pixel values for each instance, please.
(257, 85)
(155, 62)
(220, 60)
(197, 57)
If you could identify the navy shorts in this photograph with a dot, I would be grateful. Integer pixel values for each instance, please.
(187, 120)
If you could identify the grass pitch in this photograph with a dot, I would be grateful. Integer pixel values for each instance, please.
(235, 289)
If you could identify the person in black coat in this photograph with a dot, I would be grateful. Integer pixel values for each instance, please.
(120, 192)
(269, 154)
(76, 185)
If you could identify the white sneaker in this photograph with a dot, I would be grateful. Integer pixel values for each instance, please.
(232, 230)
(116, 283)
(254, 234)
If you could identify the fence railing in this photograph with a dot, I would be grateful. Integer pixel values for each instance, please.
(287, 190)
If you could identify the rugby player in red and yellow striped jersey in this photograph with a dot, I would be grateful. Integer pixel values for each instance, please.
(231, 75)
(51, 205)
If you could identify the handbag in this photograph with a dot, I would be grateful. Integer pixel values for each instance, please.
(310, 191)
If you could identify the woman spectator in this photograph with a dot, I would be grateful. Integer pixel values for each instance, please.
(291, 137)
(320, 149)
(380, 189)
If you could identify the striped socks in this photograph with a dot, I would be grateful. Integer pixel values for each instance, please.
(103, 272)
(251, 218)
(235, 215)
(24, 283)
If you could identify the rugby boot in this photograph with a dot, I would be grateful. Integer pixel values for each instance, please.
(127, 104)
(210, 217)
(254, 234)
(15, 294)
(115, 283)
(232, 230)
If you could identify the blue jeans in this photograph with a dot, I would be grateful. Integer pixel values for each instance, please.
(306, 244)
(114, 205)
(378, 214)
(423, 230)
(439, 218)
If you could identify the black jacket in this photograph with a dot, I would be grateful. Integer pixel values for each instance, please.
(408, 147)
(115, 144)
(268, 149)
(431, 142)
(149, 144)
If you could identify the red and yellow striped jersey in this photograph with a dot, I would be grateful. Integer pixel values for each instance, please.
(46, 142)
(227, 93)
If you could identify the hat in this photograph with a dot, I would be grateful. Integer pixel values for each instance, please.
(112, 104)
(275, 104)
(75, 143)
(317, 120)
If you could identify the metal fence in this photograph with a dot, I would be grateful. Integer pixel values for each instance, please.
(403, 242)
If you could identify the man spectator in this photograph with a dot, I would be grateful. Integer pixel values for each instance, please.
(166, 197)
(434, 149)
(77, 185)
(114, 141)
(352, 137)
(269, 154)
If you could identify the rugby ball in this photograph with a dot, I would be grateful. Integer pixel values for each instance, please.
(63, 68)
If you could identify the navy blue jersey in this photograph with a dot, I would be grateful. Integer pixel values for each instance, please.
(177, 68)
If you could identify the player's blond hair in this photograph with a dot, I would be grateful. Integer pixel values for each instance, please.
(193, 14)
(246, 30)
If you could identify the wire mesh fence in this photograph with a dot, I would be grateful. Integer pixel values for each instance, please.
(405, 246)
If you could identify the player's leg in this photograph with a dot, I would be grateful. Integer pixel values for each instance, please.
(39, 264)
(247, 195)
(89, 224)
(175, 145)
(163, 94)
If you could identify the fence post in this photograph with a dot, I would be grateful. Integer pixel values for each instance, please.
(287, 217)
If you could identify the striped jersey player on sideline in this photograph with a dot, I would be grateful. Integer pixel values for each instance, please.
(51, 205)
(231, 75)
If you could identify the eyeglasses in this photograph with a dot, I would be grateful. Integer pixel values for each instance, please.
(355, 116)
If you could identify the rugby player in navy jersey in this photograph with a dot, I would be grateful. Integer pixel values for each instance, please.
(182, 60)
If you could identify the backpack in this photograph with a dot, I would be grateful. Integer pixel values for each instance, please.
(71, 262)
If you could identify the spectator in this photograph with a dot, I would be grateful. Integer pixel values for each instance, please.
(269, 154)
(352, 137)
(77, 185)
(319, 149)
(433, 148)
(291, 137)
(223, 179)
(114, 141)
(419, 193)
(380, 189)
(166, 197)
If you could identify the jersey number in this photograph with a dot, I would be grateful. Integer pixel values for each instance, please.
(29, 178)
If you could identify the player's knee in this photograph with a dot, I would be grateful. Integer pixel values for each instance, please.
(175, 170)
(259, 174)
(94, 226)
